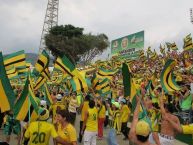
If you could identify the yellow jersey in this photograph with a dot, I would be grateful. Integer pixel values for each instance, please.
(92, 121)
(68, 133)
(102, 112)
(39, 133)
(84, 109)
(187, 129)
(65, 101)
(125, 111)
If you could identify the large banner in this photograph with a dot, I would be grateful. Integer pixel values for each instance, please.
(128, 46)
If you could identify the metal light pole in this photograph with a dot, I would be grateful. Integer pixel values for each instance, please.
(191, 15)
(51, 19)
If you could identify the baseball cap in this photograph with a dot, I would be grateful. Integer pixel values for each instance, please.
(123, 100)
(142, 128)
(43, 103)
(117, 105)
(59, 97)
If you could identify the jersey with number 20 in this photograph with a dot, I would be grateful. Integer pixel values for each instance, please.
(39, 133)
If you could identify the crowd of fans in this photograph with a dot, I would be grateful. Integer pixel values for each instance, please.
(166, 115)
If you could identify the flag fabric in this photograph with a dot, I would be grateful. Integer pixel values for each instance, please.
(47, 95)
(130, 90)
(28, 65)
(188, 43)
(76, 85)
(154, 55)
(174, 46)
(106, 72)
(46, 73)
(12, 73)
(101, 86)
(150, 89)
(104, 90)
(168, 45)
(94, 81)
(33, 99)
(66, 66)
(40, 81)
(22, 105)
(167, 77)
(171, 46)
(26, 104)
(21, 69)
(162, 49)
(42, 62)
(7, 96)
(142, 54)
(149, 52)
(16, 59)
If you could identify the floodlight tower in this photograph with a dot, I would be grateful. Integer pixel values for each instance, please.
(191, 15)
(50, 20)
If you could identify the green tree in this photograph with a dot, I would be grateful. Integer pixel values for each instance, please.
(76, 45)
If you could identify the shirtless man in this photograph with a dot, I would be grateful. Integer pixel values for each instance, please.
(140, 130)
(168, 132)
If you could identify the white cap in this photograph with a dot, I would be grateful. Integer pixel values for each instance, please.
(43, 103)
(59, 97)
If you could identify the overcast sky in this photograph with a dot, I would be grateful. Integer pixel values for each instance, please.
(162, 20)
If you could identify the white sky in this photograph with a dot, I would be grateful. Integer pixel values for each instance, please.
(21, 21)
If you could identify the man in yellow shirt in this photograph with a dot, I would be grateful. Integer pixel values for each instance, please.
(65, 129)
(84, 107)
(58, 105)
(73, 105)
(91, 124)
(39, 132)
(125, 114)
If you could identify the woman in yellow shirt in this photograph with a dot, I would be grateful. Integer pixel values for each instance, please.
(125, 115)
(115, 113)
(64, 129)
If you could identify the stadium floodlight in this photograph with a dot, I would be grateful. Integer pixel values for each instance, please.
(191, 15)
(51, 20)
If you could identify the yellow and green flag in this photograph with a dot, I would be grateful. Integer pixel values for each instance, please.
(149, 52)
(40, 81)
(47, 95)
(167, 77)
(22, 105)
(188, 43)
(16, 59)
(27, 105)
(66, 66)
(42, 62)
(154, 55)
(162, 49)
(106, 72)
(12, 73)
(130, 90)
(171, 46)
(7, 96)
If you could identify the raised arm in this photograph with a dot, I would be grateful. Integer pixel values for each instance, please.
(163, 112)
